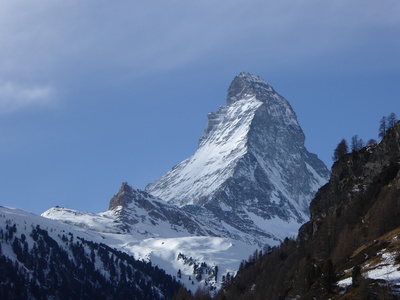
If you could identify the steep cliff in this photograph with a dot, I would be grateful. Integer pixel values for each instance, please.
(350, 247)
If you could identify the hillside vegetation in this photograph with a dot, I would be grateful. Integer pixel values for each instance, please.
(350, 248)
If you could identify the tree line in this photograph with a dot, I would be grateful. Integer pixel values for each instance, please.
(357, 143)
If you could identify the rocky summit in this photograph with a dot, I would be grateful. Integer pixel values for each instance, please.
(251, 169)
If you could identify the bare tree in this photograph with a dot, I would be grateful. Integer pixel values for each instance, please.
(382, 127)
(356, 143)
(360, 144)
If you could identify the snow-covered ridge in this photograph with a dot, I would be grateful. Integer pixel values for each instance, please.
(213, 163)
(159, 243)
(162, 252)
(104, 222)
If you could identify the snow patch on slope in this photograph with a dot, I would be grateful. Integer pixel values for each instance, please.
(278, 227)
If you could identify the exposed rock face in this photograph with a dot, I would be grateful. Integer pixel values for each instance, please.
(149, 215)
(251, 167)
(351, 215)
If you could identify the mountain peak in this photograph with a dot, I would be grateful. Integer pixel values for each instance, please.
(124, 196)
(250, 77)
(251, 167)
(247, 85)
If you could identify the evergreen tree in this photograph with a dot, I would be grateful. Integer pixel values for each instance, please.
(391, 120)
(182, 294)
(354, 143)
(328, 278)
(340, 150)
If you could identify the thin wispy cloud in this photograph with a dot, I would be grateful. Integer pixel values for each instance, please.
(14, 97)
(162, 36)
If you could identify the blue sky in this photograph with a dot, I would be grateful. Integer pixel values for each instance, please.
(94, 93)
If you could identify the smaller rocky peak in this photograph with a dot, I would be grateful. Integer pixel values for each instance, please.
(126, 188)
(125, 196)
(247, 85)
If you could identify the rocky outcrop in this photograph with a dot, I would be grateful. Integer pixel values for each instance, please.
(354, 225)
(360, 202)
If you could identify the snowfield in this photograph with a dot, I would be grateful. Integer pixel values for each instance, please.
(163, 251)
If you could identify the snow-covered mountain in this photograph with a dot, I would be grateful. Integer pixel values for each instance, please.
(251, 178)
(249, 184)
(251, 168)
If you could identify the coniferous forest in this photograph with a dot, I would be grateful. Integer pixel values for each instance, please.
(73, 268)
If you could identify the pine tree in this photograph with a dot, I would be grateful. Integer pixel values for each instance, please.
(340, 150)
(391, 120)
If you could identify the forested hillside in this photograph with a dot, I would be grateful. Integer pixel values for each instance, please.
(38, 264)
